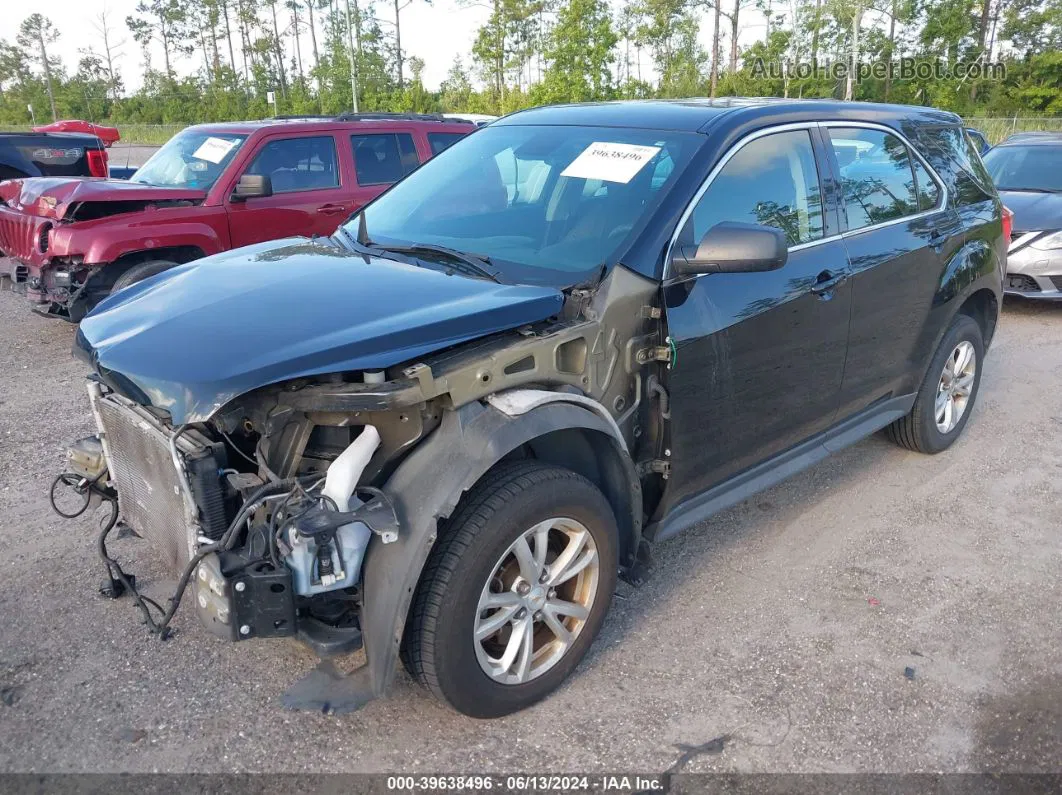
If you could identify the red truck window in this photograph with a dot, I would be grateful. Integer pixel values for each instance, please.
(383, 158)
(443, 140)
(295, 164)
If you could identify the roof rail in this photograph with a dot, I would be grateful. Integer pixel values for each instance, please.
(371, 116)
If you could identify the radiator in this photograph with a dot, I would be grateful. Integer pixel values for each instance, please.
(150, 498)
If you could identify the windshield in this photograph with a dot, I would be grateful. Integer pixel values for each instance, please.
(533, 199)
(1037, 167)
(190, 159)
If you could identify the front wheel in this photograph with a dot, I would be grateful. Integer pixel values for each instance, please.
(141, 271)
(947, 396)
(515, 591)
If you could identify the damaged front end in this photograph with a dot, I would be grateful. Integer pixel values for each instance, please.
(59, 236)
(264, 556)
(307, 506)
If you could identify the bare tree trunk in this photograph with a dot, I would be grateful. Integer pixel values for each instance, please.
(279, 50)
(734, 30)
(295, 36)
(398, 42)
(982, 38)
(214, 46)
(313, 40)
(245, 39)
(228, 35)
(892, 45)
(47, 70)
(165, 34)
(715, 50)
(206, 52)
(108, 52)
(816, 23)
(853, 61)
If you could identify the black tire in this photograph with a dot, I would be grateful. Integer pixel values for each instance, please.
(141, 271)
(438, 647)
(918, 430)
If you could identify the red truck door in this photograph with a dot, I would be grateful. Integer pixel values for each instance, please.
(309, 196)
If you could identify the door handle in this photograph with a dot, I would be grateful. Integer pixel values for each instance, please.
(827, 281)
(331, 209)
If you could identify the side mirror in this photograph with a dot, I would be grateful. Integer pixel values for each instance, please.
(252, 186)
(732, 247)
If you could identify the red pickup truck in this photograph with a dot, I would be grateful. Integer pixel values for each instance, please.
(70, 242)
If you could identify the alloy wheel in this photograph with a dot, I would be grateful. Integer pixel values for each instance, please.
(536, 600)
(956, 384)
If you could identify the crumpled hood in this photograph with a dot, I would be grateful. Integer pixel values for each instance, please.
(1034, 212)
(193, 338)
(53, 197)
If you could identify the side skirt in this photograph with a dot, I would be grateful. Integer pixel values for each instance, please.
(762, 476)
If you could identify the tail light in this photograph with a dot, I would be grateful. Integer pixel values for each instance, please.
(97, 162)
(1008, 223)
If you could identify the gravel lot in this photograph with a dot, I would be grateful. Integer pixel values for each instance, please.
(774, 637)
(130, 155)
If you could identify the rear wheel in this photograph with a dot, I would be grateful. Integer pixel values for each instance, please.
(948, 393)
(515, 591)
(141, 271)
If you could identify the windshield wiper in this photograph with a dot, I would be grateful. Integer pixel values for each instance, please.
(469, 264)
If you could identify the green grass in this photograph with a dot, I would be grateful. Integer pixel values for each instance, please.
(996, 129)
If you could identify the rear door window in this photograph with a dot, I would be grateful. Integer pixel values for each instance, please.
(444, 140)
(298, 164)
(876, 175)
(383, 158)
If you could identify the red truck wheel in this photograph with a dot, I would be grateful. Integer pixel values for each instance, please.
(141, 271)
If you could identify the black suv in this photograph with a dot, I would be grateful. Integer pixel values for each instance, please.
(443, 432)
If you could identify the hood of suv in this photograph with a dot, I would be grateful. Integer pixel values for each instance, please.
(59, 197)
(193, 338)
(1033, 211)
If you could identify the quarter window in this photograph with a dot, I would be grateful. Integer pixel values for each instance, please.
(771, 181)
(295, 164)
(928, 189)
(383, 158)
(876, 175)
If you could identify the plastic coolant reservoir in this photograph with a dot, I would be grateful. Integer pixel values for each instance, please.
(351, 540)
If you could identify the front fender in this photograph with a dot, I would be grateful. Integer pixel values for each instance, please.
(106, 240)
(426, 488)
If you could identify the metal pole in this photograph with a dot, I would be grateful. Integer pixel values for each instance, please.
(353, 63)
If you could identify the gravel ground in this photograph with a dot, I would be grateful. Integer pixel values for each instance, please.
(774, 637)
(130, 155)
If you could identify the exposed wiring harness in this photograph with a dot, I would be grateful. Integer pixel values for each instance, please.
(121, 582)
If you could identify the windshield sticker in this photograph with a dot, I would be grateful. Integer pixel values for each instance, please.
(213, 149)
(610, 162)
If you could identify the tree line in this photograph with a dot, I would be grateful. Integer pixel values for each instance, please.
(213, 60)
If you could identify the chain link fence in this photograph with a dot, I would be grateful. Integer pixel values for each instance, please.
(997, 128)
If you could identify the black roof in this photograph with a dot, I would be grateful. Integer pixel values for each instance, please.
(696, 114)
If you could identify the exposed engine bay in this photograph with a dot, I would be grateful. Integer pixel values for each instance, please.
(264, 557)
